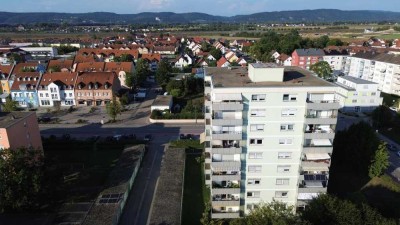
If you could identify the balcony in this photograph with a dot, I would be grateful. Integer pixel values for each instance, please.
(218, 149)
(322, 105)
(225, 200)
(227, 122)
(226, 135)
(312, 166)
(221, 176)
(225, 214)
(319, 134)
(225, 106)
(226, 165)
(314, 119)
(317, 149)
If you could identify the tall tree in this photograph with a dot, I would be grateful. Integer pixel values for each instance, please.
(162, 73)
(10, 105)
(113, 108)
(330, 210)
(380, 162)
(322, 69)
(21, 175)
(141, 71)
(216, 53)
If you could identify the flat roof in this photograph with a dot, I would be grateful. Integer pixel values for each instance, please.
(238, 77)
(162, 100)
(357, 80)
(266, 65)
(9, 118)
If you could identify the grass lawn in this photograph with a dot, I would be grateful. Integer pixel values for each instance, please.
(384, 194)
(195, 192)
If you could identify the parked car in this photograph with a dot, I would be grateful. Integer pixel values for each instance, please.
(398, 153)
(147, 137)
(189, 136)
(391, 147)
(182, 136)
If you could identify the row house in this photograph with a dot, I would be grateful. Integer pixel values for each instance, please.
(381, 68)
(153, 59)
(231, 56)
(305, 58)
(223, 62)
(5, 71)
(57, 89)
(220, 46)
(60, 65)
(121, 69)
(96, 88)
(24, 89)
(165, 50)
(107, 55)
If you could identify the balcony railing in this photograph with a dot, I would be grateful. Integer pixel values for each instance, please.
(313, 116)
(225, 184)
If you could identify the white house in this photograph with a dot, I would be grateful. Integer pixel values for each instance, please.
(57, 89)
(357, 95)
(183, 61)
(336, 58)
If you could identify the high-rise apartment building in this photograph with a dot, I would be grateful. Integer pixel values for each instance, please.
(268, 136)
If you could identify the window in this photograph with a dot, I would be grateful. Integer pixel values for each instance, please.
(45, 102)
(284, 155)
(15, 94)
(65, 95)
(257, 127)
(253, 181)
(354, 101)
(258, 98)
(281, 194)
(253, 194)
(41, 94)
(70, 94)
(289, 112)
(254, 169)
(257, 112)
(255, 155)
(283, 169)
(20, 95)
(289, 97)
(285, 141)
(373, 93)
(287, 127)
(255, 141)
(282, 181)
(355, 94)
(47, 95)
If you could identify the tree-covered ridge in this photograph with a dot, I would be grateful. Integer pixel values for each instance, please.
(318, 15)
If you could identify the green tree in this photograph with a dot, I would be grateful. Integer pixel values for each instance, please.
(54, 69)
(175, 85)
(14, 57)
(10, 105)
(274, 213)
(21, 176)
(329, 210)
(321, 42)
(216, 53)
(322, 69)
(380, 162)
(335, 42)
(382, 117)
(113, 109)
(124, 99)
(130, 80)
(124, 58)
(163, 71)
(141, 71)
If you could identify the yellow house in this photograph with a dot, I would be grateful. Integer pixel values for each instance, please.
(5, 71)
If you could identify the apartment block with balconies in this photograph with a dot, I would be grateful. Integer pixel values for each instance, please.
(268, 131)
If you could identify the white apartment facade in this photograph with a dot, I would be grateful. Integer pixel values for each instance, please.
(381, 68)
(357, 95)
(266, 139)
(57, 89)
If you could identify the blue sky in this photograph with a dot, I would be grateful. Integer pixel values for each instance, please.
(214, 7)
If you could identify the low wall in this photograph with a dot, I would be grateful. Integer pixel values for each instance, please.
(188, 121)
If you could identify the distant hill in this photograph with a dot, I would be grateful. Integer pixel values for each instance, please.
(318, 15)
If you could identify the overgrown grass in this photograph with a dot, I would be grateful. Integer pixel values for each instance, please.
(187, 144)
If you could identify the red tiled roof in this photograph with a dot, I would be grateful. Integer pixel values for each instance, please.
(5, 69)
(66, 78)
(28, 80)
(61, 63)
(118, 66)
(101, 78)
(90, 67)
(152, 56)
(20, 66)
(221, 61)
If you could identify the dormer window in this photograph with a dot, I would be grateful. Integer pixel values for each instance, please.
(80, 86)
(96, 85)
(106, 86)
(90, 86)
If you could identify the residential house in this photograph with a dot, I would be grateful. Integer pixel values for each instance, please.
(284, 60)
(211, 57)
(165, 50)
(357, 95)
(336, 57)
(153, 59)
(60, 65)
(121, 69)
(222, 62)
(24, 89)
(89, 67)
(183, 61)
(19, 129)
(57, 89)
(231, 57)
(5, 72)
(305, 58)
(96, 88)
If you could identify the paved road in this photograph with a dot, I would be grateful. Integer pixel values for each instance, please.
(139, 201)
